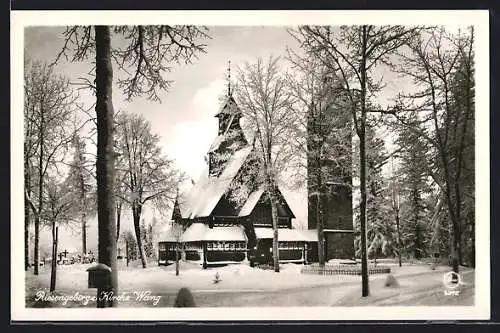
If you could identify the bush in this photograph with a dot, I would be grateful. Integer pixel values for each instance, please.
(184, 299)
(391, 281)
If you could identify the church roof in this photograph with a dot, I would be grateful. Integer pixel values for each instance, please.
(218, 140)
(287, 235)
(229, 106)
(252, 200)
(201, 232)
(170, 233)
(207, 191)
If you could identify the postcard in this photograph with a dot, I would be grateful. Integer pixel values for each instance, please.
(250, 165)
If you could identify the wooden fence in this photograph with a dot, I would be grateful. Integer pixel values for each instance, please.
(343, 270)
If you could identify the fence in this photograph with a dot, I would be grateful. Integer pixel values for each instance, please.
(343, 270)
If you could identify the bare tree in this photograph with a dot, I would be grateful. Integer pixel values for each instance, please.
(120, 167)
(49, 104)
(262, 93)
(147, 53)
(149, 177)
(60, 209)
(353, 52)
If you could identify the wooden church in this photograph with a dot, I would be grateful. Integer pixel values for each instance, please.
(212, 228)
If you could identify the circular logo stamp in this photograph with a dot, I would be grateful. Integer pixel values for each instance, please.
(452, 280)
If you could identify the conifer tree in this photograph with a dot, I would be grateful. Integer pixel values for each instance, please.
(80, 184)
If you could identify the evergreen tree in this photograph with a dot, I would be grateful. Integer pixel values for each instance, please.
(80, 184)
(441, 66)
(413, 176)
(381, 231)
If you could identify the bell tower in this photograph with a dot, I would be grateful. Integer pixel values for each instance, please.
(230, 134)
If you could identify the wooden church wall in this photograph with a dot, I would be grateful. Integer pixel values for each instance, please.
(261, 215)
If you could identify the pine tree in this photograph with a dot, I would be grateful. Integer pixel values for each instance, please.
(441, 66)
(80, 183)
(381, 231)
(413, 174)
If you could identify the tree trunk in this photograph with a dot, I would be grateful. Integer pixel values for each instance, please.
(105, 163)
(177, 259)
(320, 225)
(454, 228)
(118, 220)
(84, 234)
(36, 253)
(127, 251)
(27, 187)
(136, 212)
(274, 217)
(455, 249)
(53, 271)
(37, 245)
(399, 237)
(362, 172)
(26, 236)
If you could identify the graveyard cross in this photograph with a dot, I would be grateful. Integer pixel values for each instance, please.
(65, 252)
(60, 255)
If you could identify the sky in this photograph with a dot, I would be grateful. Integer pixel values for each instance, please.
(184, 119)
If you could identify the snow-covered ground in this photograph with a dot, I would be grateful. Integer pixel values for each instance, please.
(242, 285)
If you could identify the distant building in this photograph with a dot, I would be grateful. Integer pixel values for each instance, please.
(213, 228)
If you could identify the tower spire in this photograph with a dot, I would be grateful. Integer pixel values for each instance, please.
(229, 78)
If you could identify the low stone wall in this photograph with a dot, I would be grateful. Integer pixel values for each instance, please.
(343, 270)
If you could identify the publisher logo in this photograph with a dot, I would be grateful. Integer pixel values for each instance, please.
(451, 282)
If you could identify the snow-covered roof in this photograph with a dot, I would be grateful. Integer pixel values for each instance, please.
(287, 235)
(218, 140)
(252, 200)
(207, 192)
(201, 232)
(233, 233)
(195, 232)
(310, 235)
(229, 106)
(170, 233)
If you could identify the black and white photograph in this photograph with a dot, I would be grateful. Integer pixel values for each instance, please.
(273, 165)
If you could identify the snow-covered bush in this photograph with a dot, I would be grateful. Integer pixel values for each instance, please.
(184, 299)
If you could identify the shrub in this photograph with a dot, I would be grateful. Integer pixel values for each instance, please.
(391, 281)
(184, 299)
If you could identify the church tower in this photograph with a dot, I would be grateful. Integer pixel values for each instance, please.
(336, 172)
(230, 134)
